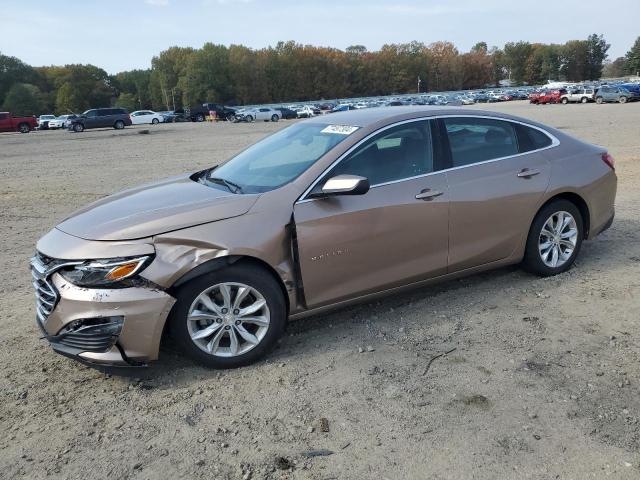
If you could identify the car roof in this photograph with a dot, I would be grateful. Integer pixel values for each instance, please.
(369, 116)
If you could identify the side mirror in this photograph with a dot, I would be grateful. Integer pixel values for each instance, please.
(346, 185)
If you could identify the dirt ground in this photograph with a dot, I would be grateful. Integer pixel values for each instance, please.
(543, 383)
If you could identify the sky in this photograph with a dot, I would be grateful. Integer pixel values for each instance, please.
(119, 35)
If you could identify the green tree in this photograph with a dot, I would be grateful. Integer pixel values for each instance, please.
(128, 101)
(516, 57)
(615, 69)
(23, 99)
(12, 71)
(633, 59)
(597, 49)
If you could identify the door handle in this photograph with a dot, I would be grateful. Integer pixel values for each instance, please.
(527, 173)
(428, 194)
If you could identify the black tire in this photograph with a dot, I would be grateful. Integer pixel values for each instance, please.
(532, 259)
(200, 117)
(565, 101)
(275, 118)
(119, 125)
(584, 100)
(78, 127)
(622, 100)
(599, 100)
(250, 275)
(155, 121)
(24, 128)
(249, 118)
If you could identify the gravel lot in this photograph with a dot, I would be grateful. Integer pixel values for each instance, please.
(543, 383)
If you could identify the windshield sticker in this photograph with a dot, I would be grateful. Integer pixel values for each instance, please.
(340, 129)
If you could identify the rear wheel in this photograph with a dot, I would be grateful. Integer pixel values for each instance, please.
(119, 125)
(584, 100)
(599, 100)
(554, 239)
(230, 317)
(274, 118)
(622, 100)
(78, 127)
(24, 128)
(200, 117)
(155, 121)
(565, 101)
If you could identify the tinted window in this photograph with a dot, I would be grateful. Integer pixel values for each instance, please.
(91, 113)
(531, 139)
(3, 116)
(399, 152)
(474, 140)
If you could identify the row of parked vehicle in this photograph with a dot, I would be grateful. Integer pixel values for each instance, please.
(584, 94)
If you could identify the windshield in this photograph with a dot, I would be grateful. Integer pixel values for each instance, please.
(278, 159)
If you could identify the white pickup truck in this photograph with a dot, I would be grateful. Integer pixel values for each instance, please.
(581, 95)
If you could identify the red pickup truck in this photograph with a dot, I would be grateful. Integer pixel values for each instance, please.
(9, 123)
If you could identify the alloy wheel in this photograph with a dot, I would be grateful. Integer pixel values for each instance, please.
(558, 239)
(228, 319)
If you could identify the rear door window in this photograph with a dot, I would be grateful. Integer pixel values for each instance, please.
(530, 139)
(473, 140)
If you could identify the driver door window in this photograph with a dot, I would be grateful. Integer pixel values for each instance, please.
(398, 153)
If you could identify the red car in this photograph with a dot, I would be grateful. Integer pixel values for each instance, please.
(546, 96)
(9, 123)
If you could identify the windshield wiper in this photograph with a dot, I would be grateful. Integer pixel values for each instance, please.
(233, 187)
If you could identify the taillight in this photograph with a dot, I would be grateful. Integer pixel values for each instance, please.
(608, 159)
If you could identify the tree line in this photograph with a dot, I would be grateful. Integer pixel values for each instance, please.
(289, 71)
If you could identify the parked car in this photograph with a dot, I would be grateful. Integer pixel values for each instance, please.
(43, 121)
(172, 116)
(60, 121)
(343, 108)
(117, 118)
(201, 112)
(305, 112)
(141, 117)
(581, 95)
(547, 96)
(615, 94)
(222, 258)
(287, 113)
(9, 123)
(263, 113)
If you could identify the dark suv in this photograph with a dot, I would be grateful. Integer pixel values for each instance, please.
(117, 118)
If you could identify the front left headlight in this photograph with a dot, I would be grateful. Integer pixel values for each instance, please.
(105, 273)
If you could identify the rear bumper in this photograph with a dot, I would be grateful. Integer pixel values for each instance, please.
(143, 312)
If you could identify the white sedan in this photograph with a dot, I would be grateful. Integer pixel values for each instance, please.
(140, 117)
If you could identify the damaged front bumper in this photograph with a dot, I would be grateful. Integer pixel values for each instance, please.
(109, 327)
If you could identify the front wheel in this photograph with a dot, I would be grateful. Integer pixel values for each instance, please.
(565, 101)
(554, 239)
(599, 100)
(275, 118)
(622, 99)
(24, 128)
(584, 100)
(155, 121)
(230, 317)
(78, 127)
(248, 118)
(200, 118)
(119, 125)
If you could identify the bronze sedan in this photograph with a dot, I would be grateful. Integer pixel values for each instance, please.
(332, 210)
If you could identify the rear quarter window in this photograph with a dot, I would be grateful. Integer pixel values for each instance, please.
(530, 139)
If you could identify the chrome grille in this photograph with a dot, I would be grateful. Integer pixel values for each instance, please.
(42, 267)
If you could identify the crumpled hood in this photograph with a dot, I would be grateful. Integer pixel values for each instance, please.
(155, 208)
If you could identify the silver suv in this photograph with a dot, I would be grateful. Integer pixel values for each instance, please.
(582, 95)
